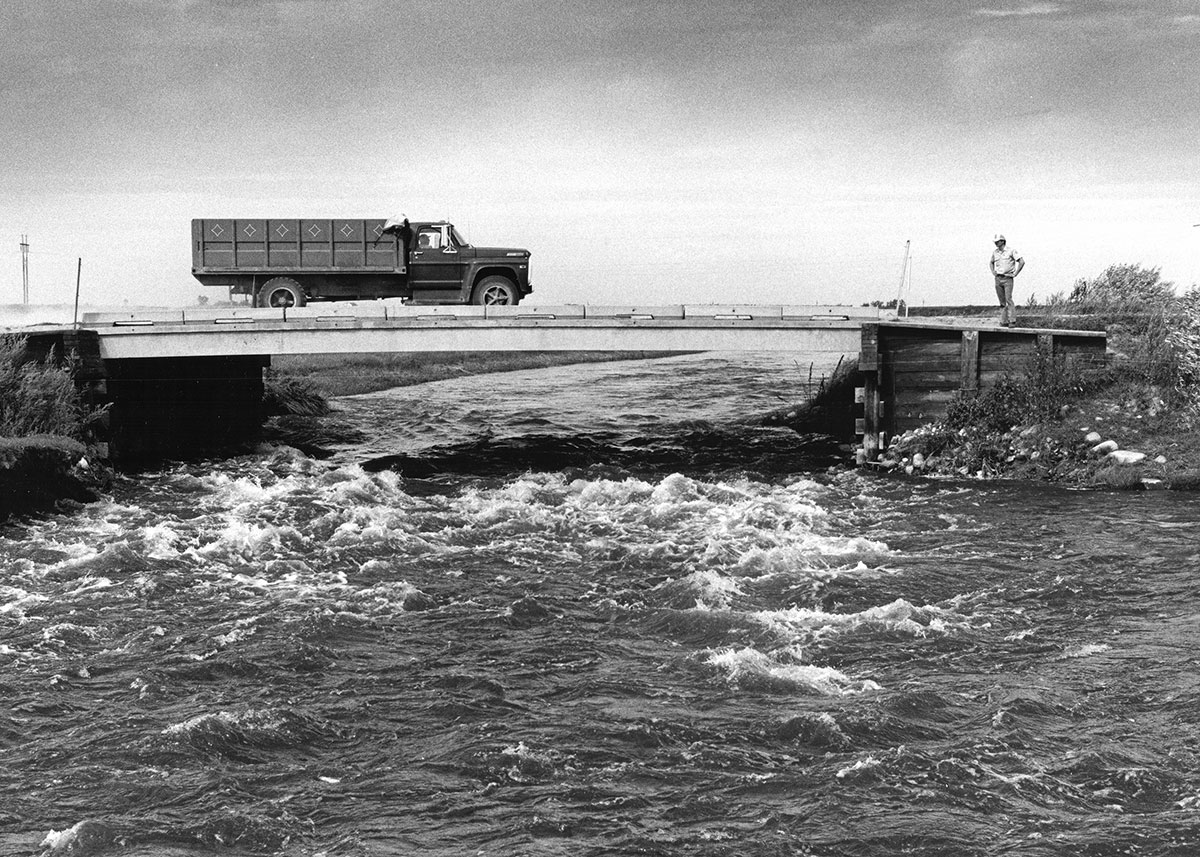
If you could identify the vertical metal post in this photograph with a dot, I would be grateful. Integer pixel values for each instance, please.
(969, 360)
(25, 269)
(78, 271)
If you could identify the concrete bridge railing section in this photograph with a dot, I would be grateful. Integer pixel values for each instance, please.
(380, 326)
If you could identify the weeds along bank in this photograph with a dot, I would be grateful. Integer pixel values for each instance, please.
(1135, 425)
(44, 427)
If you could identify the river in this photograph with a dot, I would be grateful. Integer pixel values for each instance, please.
(590, 610)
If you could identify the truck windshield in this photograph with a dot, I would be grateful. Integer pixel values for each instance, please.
(458, 237)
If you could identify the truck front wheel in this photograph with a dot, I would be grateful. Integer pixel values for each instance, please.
(281, 292)
(495, 291)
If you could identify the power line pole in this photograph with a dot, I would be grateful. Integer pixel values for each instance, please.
(25, 269)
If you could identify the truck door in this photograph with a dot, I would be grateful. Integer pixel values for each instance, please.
(435, 272)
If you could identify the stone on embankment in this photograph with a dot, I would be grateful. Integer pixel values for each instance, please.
(1125, 456)
(1092, 437)
(1104, 447)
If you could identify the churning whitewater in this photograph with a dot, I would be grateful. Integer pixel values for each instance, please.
(595, 610)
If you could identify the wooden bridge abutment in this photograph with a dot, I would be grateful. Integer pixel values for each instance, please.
(912, 371)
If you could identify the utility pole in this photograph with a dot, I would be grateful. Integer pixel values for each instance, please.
(25, 269)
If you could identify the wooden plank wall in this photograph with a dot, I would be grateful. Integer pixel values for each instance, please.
(911, 372)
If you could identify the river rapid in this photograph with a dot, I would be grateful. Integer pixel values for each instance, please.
(593, 610)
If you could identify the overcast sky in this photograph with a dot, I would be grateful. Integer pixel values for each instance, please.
(645, 152)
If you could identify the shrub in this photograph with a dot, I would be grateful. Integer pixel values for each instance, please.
(36, 398)
(289, 394)
(1032, 397)
(995, 409)
(1186, 479)
(1118, 476)
(1138, 309)
(1184, 340)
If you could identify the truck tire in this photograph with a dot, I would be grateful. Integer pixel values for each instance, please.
(281, 292)
(495, 291)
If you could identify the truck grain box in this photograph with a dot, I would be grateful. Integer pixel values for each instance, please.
(289, 262)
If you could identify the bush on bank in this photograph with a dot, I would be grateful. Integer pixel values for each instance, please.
(43, 423)
(1152, 331)
(36, 398)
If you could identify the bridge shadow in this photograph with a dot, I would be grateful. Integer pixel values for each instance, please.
(694, 449)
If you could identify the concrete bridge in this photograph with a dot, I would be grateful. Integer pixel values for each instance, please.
(381, 326)
(175, 381)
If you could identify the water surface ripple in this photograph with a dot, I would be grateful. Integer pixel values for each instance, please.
(592, 610)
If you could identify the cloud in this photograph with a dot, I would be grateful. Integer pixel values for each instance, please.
(1031, 9)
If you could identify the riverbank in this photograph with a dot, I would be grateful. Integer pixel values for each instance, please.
(1132, 425)
(1118, 438)
(46, 473)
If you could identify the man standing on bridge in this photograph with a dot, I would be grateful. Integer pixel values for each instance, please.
(1005, 265)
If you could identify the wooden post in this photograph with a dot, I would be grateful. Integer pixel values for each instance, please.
(871, 416)
(970, 360)
(868, 364)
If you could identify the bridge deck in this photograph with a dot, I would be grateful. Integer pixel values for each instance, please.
(381, 327)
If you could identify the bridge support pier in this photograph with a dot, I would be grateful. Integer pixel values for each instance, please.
(161, 407)
(177, 407)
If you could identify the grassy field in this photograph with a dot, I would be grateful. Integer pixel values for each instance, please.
(331, 375)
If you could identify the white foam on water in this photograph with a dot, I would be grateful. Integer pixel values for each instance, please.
(15, 601)
(84, 837)
(388, 593)
(66, 631)
(1084, 650)
(859, 767)
(749, 664)
(253, 722)
(714, 591)
(234, 636)
(898, 616)
(88, 584)
(811, 551)
(749, 526)
(160, 541)
(245, 539)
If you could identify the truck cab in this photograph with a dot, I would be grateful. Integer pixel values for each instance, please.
(444, 268)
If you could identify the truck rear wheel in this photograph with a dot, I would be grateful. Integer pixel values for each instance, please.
(281, 292)
(495, 291)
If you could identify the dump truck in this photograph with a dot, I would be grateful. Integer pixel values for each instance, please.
(292, 262)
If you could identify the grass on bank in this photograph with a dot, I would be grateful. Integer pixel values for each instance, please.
(36, 398)
(325, 376)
